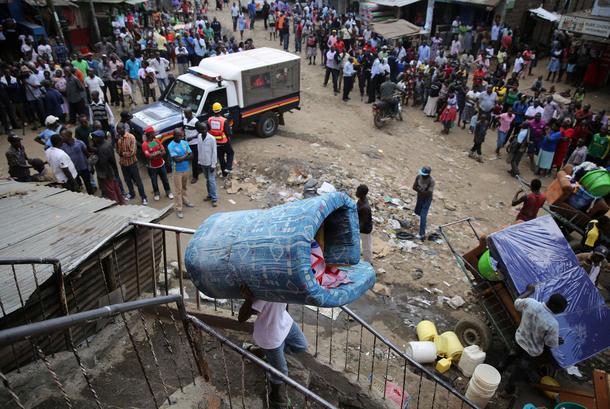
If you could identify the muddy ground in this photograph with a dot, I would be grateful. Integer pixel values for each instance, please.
(336, 142)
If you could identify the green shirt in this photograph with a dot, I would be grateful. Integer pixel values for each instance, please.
(81, 65)
(511, 98)
(209, 33)
(599, 146)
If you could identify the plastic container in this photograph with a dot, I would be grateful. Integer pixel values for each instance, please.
(426, 330)
(483, 384)
(596, 182)
(449, 346)
(486, 269)
(423, 352)
(472, 356)
(443, 365)
(581, 199)
(570, 405)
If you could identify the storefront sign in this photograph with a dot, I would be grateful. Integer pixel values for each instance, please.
(598, 28)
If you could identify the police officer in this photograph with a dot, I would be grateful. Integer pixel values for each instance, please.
(220, 129)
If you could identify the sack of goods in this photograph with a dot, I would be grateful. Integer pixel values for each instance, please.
(303, 252)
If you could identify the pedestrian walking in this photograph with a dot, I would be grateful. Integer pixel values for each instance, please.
(348, 77)
(424, 186)
(518, 146)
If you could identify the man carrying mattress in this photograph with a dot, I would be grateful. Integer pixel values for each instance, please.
(274, 332)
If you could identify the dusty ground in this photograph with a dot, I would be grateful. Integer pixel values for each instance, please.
(336, 142)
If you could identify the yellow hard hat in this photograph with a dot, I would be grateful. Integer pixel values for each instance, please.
(216, 107)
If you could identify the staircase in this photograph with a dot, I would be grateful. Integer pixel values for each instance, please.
(165, 351)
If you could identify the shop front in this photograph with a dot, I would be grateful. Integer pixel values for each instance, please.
(591, 35)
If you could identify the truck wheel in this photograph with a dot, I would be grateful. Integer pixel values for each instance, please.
(473, 331)
(267, 125)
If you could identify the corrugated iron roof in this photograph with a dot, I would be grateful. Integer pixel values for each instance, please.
(45, 222)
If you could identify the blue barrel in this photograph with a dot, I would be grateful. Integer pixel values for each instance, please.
(581, 199)
(270, 251)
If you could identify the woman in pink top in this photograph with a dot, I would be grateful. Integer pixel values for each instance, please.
(505, 120)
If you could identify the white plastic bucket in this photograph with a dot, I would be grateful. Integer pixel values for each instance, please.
(423, 352)
(483, 384)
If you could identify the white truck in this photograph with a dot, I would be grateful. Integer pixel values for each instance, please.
(255, 88)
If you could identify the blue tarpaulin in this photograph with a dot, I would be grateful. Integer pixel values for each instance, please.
(536, 252)
(270, 251)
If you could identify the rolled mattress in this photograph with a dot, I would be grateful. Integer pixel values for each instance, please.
(270, 251)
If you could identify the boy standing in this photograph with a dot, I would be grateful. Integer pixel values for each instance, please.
(181, 153)
(365, 218)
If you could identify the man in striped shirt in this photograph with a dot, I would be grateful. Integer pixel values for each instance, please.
(126, 148)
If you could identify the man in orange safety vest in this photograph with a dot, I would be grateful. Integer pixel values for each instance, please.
(220, 129)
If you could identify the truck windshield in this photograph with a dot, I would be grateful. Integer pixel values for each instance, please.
(185, 95)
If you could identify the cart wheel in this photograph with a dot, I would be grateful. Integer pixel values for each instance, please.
(473, 331)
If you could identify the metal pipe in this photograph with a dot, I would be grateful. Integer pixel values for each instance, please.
(389, 343)
(12, 335)
(165, 227)
(179, 256)
(27, 260)
(257, 361)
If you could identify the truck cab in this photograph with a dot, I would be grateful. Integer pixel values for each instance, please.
(254, 87)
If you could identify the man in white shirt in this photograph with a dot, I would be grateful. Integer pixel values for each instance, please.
(207, 158)
(531, 112)
(160, 65)
(61, 164)
(538, 329)
(44, 50)
(94, 83)
(274, 332)
(519, 62)
(234, 15)
(189, 123)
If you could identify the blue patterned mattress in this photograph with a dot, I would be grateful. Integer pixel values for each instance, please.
(270, 251)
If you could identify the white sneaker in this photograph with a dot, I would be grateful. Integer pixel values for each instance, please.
(170, 196)
(419, 237)
(180, 215)
(156, 197)
(144, 202)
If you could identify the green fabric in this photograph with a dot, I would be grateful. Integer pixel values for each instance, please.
(82, 66)
(511, 98)
(599, 146)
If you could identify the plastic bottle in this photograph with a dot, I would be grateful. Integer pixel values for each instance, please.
(472, 356)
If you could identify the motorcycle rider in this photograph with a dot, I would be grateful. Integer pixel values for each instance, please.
(387, 90)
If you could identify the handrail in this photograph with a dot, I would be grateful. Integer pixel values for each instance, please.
(12, 335)
(400, 353)
(246, 354)
(6, 261)
(165, 227)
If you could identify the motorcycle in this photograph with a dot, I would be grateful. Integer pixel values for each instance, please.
(383, 111)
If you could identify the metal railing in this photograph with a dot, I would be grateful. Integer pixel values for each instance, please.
(161, 381)
(361, 348)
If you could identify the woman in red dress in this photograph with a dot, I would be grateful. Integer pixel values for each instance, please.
(567, 133)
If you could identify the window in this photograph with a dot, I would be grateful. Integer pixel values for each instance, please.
(185, 95)
(219, 95)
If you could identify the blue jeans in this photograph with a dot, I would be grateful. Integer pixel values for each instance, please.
(295, 342)
(210, 182)
(501, 139)
(421, 209)
(161, 172)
